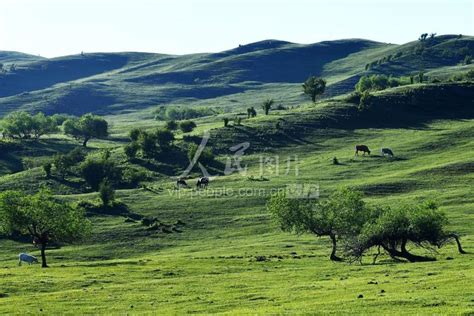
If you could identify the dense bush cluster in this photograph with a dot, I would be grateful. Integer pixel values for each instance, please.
(379, 82)
(148, 143)
(178, 113)
(383, 60)
(23, 125)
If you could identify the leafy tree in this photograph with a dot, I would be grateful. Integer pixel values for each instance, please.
(42, 125)
(187, 126)
(86, 127)
(171, 125)
(134, 134)
(182, 112)
(267, 105)
(164, 138)
(106, 193)
(47, 169)
(43, 218)
(423, 37)
(206, 157)
(131, 150)
(17, 125)
(96, 171)
(421, 76)
(251, 112)
(314, 86)
(363, 84)
(365, 99)
(62, 163)
(147, 143)
(392, 229)
(342, 214)
(76, 155)
(226, 121)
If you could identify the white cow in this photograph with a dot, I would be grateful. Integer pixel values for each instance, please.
(24, 257)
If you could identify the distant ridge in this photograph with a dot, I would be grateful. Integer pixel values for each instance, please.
(110, 83)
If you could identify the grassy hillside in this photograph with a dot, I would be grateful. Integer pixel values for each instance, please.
(116, 83)
(217, 249)
(9, 57)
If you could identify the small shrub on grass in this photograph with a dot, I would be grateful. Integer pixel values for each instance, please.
(206, 156)
(172, 125)
(187, 126)
(365, 100)
(106, 193)
(131, 150)
(47, 169)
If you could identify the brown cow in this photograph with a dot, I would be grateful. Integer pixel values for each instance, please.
(362, 148)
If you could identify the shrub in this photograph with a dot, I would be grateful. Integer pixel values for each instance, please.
(314, 86)
(131, 150)
(106, 193)
(226, 121)
(171, 125)
(133, 177)
(164, 138)
(147, 143)
(178, 113)
(353, 98)
(365, 100)
(206, 156)
(62, 163)
(187, 126)
(47, 169)
(134, 134)
(95, 171)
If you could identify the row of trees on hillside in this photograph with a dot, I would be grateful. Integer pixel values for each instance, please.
(349, 222)
(23, 125)
(149, 144)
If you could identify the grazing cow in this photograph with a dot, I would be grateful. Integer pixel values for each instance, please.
(362, 148)
(23, 257)
(181, 183)
(202, 182)
(387, 152)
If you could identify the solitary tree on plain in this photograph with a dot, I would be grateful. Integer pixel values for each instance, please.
(314, 86)
(43, 218)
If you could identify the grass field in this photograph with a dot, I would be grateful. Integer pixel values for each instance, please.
(217, 249)
(211, 265)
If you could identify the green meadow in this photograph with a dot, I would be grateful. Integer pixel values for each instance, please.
(218, 250)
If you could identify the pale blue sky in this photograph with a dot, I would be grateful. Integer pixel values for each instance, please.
(61, 27)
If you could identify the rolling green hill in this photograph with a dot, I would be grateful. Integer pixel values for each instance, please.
(122, 82)
(217, 250)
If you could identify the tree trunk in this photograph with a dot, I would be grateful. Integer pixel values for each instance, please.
(84, 143)
(394, 253)
(458, 242)
(43, 256)
(334, 248)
